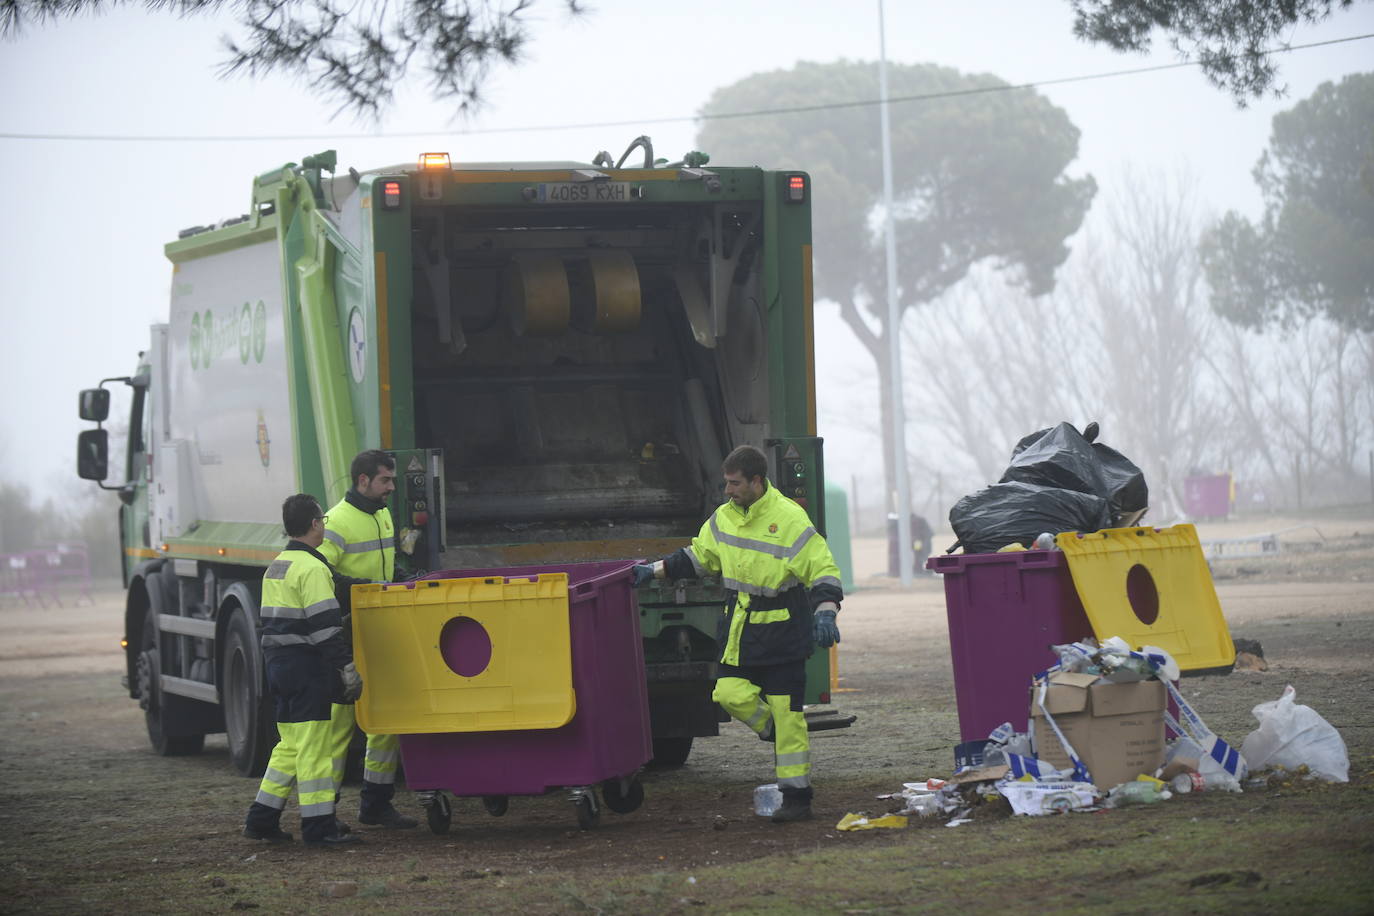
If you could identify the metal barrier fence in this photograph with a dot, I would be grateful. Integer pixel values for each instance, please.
(41, 577)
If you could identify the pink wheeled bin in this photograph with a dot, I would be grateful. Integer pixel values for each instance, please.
(530, 680)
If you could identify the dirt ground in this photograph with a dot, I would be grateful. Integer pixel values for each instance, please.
(92, 822)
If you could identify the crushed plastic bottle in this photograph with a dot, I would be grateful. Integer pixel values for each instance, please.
(767, 799)
(1136, 793)
(1197, 782)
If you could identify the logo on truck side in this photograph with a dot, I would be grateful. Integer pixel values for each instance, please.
(357, 346)
(211, 338)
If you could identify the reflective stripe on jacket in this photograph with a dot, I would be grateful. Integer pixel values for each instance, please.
(299, 612)
(776, 568)
(358, 543)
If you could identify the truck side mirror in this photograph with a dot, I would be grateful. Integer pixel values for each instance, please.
(95, 404)
(92, 453)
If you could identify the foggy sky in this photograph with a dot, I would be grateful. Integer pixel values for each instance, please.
(84, 273)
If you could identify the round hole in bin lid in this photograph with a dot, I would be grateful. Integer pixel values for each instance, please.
(465, 646)
(1141, 592)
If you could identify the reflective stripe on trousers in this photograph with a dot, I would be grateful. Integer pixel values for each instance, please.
(383, 751)
(301, 758)
(742, 699)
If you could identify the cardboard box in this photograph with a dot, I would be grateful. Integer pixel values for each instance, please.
(1117, 729)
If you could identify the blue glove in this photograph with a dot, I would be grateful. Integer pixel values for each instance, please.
(643, 573)
(825, 631)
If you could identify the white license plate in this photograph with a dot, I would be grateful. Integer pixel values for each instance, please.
(584, 192)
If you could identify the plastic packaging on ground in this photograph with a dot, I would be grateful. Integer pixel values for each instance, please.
(1196, 782)
(863, 822)
(1291, 735)
(767, 799)
(1036, 798)
(1136, 793)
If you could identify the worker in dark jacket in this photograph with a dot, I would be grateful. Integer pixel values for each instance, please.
(308, 665)
(782, 595)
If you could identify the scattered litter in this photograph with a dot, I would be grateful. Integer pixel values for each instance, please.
(979, 774)
(1184, 783)
(1291, 735)
(863, 822)
(1036, 798)
(1141, 792)
(767, 799)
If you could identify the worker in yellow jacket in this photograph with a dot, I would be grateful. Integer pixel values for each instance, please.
(359, 540)
(308, 664)
(782, 595)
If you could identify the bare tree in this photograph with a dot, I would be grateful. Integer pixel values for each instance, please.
(1300, 404)
(1152, 328)
(1122, 341)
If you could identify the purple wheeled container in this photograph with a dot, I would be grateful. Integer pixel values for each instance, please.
(1005, 610)
(608, 737)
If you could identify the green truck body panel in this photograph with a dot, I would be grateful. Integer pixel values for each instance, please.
(416, 315)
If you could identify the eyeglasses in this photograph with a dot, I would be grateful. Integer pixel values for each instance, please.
(324, 519)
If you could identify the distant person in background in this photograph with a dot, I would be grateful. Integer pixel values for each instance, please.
(921, 537)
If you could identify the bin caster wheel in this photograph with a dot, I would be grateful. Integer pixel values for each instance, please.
(585, 804)
(623, 795)
(496, 805)
(438, 812)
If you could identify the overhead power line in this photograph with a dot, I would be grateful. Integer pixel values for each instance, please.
(639, 122)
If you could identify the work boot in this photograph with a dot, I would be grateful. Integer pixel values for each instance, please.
(793, 808)
(341, 826)
(389, 818)
(272, 835)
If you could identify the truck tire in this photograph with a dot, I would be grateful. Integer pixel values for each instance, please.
(671, 752)
(249, 722)
(150, 698)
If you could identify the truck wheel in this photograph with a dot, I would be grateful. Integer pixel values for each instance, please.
(248, 718)
(150, 699)
(671, 752)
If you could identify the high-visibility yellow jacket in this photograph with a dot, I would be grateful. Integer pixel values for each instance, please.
(359, 539)
(777, 570)
(299, 611)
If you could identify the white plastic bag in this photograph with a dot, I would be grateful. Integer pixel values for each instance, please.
(1291, 735)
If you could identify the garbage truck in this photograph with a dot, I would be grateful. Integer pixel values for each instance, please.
(558, 355)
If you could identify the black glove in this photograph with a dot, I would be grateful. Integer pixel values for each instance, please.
(825, 630)
(643, 574)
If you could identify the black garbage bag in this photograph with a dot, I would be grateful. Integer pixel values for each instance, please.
(1062, 457)
(1014, 511)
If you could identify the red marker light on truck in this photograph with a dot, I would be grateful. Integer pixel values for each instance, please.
(391, 195)
(796, 188)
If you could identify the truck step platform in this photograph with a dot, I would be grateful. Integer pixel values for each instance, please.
(825, 719)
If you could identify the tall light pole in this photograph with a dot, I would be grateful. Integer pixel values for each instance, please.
(894, 326)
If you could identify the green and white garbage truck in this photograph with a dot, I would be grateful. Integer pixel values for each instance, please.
(559, 354)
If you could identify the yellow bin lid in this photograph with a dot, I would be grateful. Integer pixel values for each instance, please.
(1151, 587)
(464, 655)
